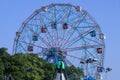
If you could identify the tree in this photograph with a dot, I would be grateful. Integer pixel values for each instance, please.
(74, 73)
(30, 67)
(4, 56)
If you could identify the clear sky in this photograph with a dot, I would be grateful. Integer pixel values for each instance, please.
(105, 12)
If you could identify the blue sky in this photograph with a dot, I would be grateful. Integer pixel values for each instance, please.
(105, 12)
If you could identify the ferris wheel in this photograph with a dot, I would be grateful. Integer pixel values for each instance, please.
(63, 32)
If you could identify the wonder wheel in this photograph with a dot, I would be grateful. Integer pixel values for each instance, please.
(63, 32)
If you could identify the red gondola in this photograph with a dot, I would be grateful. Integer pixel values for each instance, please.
(99, 50)
(17, 34)
(77, 8)
(30, 48)
(65, 26)
(43, 30)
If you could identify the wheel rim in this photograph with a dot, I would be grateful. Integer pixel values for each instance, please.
(62, 32)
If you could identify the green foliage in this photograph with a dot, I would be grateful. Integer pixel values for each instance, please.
(3, 52)
(74, 73)
(29, 67)
(1, 71)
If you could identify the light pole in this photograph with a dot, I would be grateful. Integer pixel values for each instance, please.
(106, 71)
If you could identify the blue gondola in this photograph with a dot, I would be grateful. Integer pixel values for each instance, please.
(35, 38)
(53, 25)
(100, 69)
(93, 33)
(91, 78)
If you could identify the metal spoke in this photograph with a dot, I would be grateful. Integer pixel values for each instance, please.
(44, 41)
(77, 37)
(31, 44)
(64, 17)
(82, 47)
(48, 33)
(70, 30)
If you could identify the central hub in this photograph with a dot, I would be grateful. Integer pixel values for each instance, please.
(55, 54)
(54, 51)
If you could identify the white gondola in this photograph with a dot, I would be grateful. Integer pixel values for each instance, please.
(102, 36)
